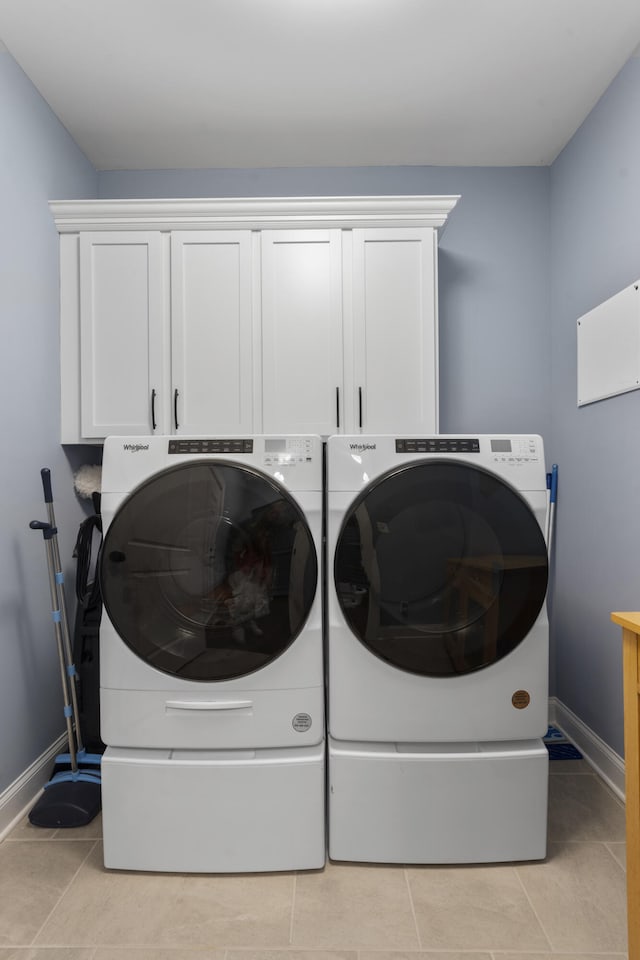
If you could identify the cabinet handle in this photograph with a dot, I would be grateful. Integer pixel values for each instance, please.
(175, 407)
(360, 406)
(338, 408)
(153, 410)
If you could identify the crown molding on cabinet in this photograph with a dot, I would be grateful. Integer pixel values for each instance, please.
(252, 213)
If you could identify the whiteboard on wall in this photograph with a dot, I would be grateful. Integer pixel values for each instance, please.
(609, 347)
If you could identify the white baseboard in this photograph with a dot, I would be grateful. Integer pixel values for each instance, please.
(605, 761)
(20, 795)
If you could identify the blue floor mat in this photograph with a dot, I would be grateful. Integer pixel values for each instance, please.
(559, 747)
(563, 751)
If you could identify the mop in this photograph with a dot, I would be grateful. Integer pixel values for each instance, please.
(72, 797)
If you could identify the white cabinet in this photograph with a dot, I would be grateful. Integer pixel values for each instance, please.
(349, 332)
(211, 332)
(313, 315)
(121, 319)
(394, 385)
(302, 331)
(165, 333)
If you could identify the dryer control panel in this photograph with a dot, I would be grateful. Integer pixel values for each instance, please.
(510, 450)
(287, 450)
(514, 450)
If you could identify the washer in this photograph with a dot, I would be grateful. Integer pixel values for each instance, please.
(437, 648)
(211, 660)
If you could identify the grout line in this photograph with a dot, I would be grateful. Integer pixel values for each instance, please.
(293, 907)
(63, 894)
(535, 912)
(412, 905)
(611, 853)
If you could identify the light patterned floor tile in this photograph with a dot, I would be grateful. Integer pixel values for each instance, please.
(33, 876)
(580, 898)
(292, 954)
(564, 956)
(26, 831)
(46, 953)
(570, 766)
(619, 852)
(583, 808)
(349, 906)
(421, 955)
(473, 908)
(113, 908)
(156, 953)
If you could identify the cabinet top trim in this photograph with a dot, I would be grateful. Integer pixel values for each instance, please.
(71, 216)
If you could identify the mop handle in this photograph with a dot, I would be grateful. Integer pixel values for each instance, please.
(49, 533)
(47, 530)
(553, 496)
(45, 474)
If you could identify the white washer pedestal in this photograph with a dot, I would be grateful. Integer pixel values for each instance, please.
(223, 811)
(438, 803)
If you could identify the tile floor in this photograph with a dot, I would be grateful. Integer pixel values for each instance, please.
(58, 903)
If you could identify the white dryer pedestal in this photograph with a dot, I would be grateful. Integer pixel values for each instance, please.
(221, 811)
(438, 803)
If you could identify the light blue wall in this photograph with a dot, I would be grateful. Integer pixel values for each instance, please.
(595, 252)
(494, 297)
(38, 161)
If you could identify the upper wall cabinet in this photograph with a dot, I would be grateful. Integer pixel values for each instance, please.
(211, 332)
(121, 330)
(241, 316)
(394, 368)
(302, 331)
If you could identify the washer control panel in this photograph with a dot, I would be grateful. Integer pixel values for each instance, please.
(438, 445)
(200, 445)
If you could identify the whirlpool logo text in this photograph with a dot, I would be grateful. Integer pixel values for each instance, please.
(135, 447)
(361, 447)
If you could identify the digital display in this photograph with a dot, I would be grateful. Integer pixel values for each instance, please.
(501, 446)
(275, 445)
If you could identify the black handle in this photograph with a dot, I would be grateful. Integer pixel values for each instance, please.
(175, 407)
(153, 409)
(338, 407)
(48, 530)
(45, 473)
(360, 406)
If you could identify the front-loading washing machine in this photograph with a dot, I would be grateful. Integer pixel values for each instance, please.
(437, 648)
(211, 658)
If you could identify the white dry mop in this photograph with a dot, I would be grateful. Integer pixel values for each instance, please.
(87, 481)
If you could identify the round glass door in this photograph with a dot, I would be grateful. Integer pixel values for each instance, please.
(440, 568)
(208, 571)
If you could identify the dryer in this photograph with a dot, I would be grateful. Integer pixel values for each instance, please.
(211, 660)
(437, 648)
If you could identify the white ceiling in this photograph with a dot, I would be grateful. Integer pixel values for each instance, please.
(152, 84)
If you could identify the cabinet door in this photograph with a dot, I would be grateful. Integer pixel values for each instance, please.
(302, 352)
(395, 381)
(211, 332)
(121, 321)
